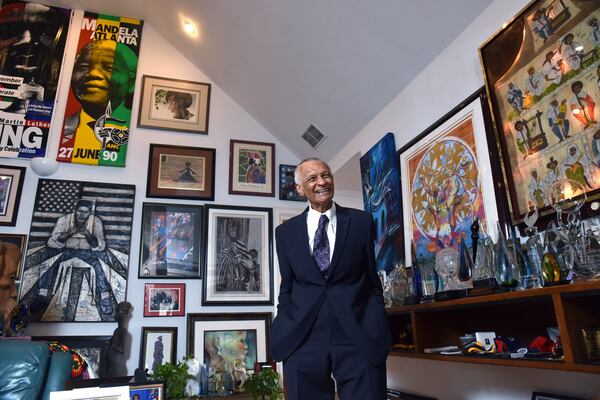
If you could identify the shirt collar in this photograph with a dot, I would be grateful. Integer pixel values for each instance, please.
(331, 214)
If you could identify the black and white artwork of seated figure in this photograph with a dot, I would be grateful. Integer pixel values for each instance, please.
(78, 251)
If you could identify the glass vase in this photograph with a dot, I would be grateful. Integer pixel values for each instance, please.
(507, 271)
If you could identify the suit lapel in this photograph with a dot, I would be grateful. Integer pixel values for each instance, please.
(304, 247)
(341, 231)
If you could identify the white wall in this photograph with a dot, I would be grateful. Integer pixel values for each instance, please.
(445, 82)
(227, 121)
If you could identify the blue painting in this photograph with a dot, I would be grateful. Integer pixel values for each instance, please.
(381, 197)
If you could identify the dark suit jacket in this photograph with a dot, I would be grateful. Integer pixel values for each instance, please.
(353, 288)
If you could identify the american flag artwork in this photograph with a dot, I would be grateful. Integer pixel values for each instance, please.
(77, 257)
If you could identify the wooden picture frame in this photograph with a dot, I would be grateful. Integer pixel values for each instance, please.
(11, 186)
(452, 151)
(225, 339)
(89, 347)
(287, 184)
(540, 74)
(174, 105)
(171, 246)
(181, 172)
(251, 168)
(237, 233)
(164, 299)
(163, 352)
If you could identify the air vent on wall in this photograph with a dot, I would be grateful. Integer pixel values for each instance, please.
(313, 136)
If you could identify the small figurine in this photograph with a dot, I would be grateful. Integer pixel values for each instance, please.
(113, 355)
(475, 237)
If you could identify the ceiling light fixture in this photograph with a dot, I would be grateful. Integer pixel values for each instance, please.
(189, 27)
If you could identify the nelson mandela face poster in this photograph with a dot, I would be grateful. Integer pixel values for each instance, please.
(78, 251)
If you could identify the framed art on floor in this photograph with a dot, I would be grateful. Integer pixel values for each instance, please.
(239, 256)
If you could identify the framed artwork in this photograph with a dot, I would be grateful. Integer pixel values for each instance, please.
(541, 74)
(11, 186)
(550, 396)
(381, 198)
(229, 341)
(285, 214)
(77, 259)
(287, 184)
(88, 347)
(97, 118)
(159, 345)
(447, 182)
(19, 241)
(174, 105)
(251, 168)
(147, 391)
(181, 172)
(171, 244)
(164, 300)
(239, 256)
(95, 393)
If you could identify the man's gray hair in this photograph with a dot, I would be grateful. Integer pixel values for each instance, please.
(297, 179)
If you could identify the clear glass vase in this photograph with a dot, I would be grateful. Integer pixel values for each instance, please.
(507, 270)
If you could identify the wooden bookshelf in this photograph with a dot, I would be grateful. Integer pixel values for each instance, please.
(521, 314)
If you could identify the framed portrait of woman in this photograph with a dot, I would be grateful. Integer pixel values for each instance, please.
(174, 105)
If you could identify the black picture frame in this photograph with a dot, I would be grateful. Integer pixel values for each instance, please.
(11, 187)
(248, 284)
(251, 168)
(148, 334)
(171, 170)
(287, 185)
(88, 347)
(171, 245)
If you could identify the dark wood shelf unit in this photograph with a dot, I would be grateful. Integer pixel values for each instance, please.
(521, 314)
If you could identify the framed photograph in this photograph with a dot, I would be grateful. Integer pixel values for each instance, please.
(251, 168)
(88, 347)
(181, 172)
(229, 341)
(550, 396)
(19, 241)
(239, 256)
(171, 244)
(159, 345)
(164, 300)
(94, 393)
(174, 105)
(287, 184)
(11, 185)
(147, 391)
(541, 74)
(381, 198)
(285, 214)
(69, 276)
(446, 182)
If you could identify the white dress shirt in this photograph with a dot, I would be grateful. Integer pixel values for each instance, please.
(312, 222)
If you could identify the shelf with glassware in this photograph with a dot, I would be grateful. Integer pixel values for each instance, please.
(524, 314)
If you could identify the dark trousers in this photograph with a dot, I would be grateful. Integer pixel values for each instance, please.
(326, 351)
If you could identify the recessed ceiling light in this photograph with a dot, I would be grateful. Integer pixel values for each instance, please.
(188, 27)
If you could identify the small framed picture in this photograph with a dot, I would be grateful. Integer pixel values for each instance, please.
(11, 185)
(550, 396)
(164, 300)
(159, 346)
(174, 105)
(19, 244)
(252, 168)
(89, 347)
(171, 244)
(239, 260)
(287, 184)
(230, 341)
(147, 391)
(95, 393)
(181, 172)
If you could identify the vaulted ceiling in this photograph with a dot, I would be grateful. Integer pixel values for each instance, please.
(292, 63)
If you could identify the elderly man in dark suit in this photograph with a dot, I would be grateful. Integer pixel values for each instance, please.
(331, 319)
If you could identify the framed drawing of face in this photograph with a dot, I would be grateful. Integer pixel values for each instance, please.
(174, 105)
(171, 244)
(239, 260)
(181, 172)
